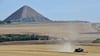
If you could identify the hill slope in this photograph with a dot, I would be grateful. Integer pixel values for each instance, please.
(64, 30)
(26, 14)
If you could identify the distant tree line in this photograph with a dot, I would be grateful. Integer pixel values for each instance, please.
(21, 37)
(5, 22)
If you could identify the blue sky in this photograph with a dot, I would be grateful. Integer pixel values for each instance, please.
(87, 10)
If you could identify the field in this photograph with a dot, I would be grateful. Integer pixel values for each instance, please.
(63, 30)
(44, 50)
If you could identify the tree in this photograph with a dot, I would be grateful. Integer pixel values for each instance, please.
(8, 22)
(1, 22)
(21, 37)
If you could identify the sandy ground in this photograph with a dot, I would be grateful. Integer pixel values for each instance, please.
(44, 50)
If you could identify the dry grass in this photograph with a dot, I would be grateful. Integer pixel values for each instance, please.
(44, 50)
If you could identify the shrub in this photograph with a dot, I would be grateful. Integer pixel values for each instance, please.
(96, 41)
